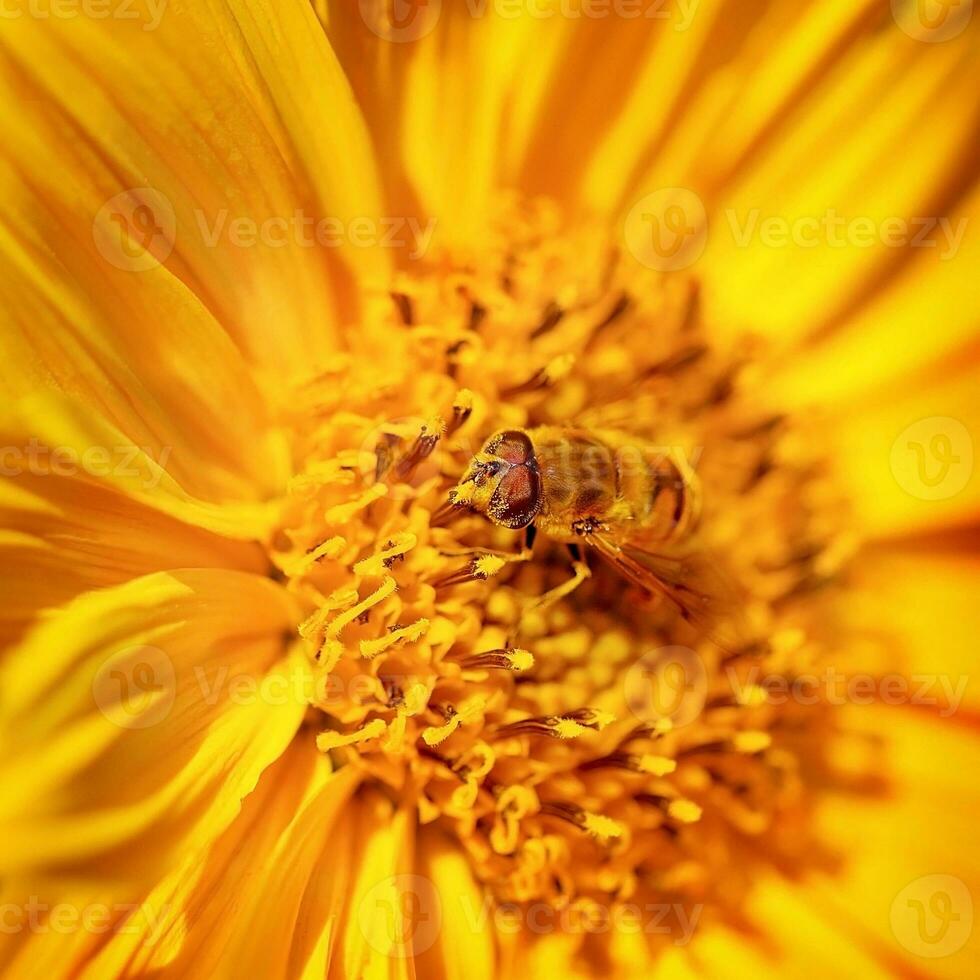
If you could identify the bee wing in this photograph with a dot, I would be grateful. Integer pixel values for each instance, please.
(695, 583)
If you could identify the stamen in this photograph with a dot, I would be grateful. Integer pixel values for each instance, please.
(403, 304)
(421, 449)
(550, 374)
(677, 808)
(331, 548)
(462, 409)
(558, 726)
(552, 317)
(326, 741)
(479, 569)
(505, 659)
(396, 634)
(394, 548)
(601, 827)
(653, 765)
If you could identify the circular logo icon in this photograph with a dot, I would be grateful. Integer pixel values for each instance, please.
(136, 230)
(932, 20)
(668, 229)
(400, 916)
(933, 915)
(669, 683)
(932, 459)
(136, 687)
(400, 20)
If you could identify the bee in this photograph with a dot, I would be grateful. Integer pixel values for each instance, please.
(635, 503)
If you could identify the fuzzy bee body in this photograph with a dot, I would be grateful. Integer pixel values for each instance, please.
(635, 503)
(616, 480)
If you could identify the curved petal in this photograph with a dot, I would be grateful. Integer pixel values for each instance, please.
(54, 927)
(386, 904)
(906, 457)
(136, 718)
(64, 536)
(214, 137)
(928, 313)
(464, 948)
(915, 844)
(267, 893)
(916, 611)
(51, 435)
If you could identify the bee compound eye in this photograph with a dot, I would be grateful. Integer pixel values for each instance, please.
(517, 499)
(513, 446)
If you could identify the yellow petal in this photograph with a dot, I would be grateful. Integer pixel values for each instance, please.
(433, 87)
(389, 910)
(917, 845)
(464, 949)
(906, 458)
(135, 719)
(917, 613)
(268, 892)
(54, 926)
(48, 434)
(843, 171)
(237, 118)
(920, 317)
(64, 536)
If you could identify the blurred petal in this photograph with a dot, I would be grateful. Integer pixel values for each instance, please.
(63, 536)
(267, 893)
(928, 313)
(388, 909)
(50, 435)
(237, 119)
(917, 612)
(875, 175)
(465, 948)
(906, 458)
(908, 845)
(136, 719)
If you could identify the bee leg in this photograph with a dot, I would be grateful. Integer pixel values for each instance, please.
(525, 554)
(580, 572)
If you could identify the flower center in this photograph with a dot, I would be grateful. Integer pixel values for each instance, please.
(583, 741)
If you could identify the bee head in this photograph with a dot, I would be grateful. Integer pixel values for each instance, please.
(502, 481)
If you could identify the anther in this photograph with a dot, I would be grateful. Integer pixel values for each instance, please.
(477, 570)
(647, 763)
(421, 450)
(558, 726)
(550, 374)
(507, 659)
(599, 826)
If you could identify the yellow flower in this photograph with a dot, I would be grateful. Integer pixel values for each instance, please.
(274, 700)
